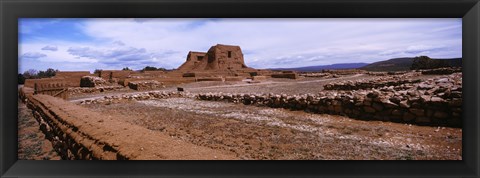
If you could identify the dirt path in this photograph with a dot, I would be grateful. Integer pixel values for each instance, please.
(267, 133)
(32, 144)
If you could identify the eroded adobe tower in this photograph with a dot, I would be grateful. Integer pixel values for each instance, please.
(218, 58)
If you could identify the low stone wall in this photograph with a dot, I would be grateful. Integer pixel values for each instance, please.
(285, 75)
(167, 81)
(375, 82)
(80, 134)
(433, 102)
(345, 71)
(200, 79)
(318, 74)
(79, 90)
(367, 84)
(234, 79)
(259, 78)
(441, 71)
(136, 97)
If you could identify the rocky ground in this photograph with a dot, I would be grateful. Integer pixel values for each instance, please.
(270, 133)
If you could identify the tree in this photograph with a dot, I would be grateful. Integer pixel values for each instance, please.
(34, 74)
(126, 68)
(425, 62)
(149, 68)
(30, 73)
(21, 79)
(46, 74)
(97, 71)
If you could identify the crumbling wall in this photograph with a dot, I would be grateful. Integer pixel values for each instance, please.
(345, 71)
(78, 90)
(72, 78)
(369, 83)
(200, 79)
(167, 81)
(193, 58)
(92, 81)
(114, 74)
(218, 58)
(285, 75)
(259, 78)
(31, 82)
(78, 133)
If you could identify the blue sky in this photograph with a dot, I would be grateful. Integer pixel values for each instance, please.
(89, 44)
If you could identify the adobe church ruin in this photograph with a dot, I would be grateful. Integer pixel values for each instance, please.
(218, 58)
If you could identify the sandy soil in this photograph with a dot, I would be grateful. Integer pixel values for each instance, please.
(267, 133)
(32, 144)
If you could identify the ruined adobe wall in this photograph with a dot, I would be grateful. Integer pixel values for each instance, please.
(163, 80)
(433, 102)
(114, 74)
(72, 78)
(31, 82)
(193, 58)
(224, 62)
(285, 75)
(78, 133)
(72, 74)
(72, 91)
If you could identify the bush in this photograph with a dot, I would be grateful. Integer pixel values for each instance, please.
(425, 62)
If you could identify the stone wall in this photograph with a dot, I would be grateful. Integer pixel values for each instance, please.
(368, 84)
(345, 71)
(434, 102)
(441, 71)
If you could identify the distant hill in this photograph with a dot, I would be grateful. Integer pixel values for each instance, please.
(325, 67)
(400, 64)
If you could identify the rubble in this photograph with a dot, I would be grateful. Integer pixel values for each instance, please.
(92, 81)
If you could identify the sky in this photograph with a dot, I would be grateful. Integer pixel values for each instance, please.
(87, 44)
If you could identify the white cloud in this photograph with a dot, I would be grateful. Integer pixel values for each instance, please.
(50, 48)
(33, 55)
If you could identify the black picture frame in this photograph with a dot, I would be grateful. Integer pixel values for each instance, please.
(11, 10)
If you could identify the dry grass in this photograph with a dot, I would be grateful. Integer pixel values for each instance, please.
(32, 144)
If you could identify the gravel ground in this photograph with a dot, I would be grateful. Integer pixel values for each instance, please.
(270, 133)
